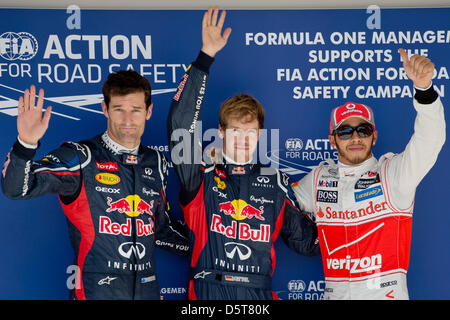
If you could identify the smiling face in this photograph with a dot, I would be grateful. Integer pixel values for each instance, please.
(356, 149)
(126, 116)
(240, 138)
(240, 119)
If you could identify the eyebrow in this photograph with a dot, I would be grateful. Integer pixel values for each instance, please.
(134, 106)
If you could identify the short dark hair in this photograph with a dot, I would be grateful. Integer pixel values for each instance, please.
(124, 82)
(242, 106)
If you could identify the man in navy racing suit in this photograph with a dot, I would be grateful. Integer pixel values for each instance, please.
(111, 188)
(235, 209)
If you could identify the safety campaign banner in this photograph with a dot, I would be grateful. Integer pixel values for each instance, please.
(298, 63)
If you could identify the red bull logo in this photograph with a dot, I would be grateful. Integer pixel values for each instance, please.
(238, 170)
(107, 226)
(241, 231)
(240, 210)
(131, 159)
(132, 206)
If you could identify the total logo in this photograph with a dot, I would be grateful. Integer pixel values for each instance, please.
(240, 210)
(131, 205)
(108, 166)
(18, 46)
(312, 150)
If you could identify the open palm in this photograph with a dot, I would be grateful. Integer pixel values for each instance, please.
(212, 38)
(31, 125)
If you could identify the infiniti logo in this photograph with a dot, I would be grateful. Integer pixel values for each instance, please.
(126, 249)
(243, 251)
(262, 179)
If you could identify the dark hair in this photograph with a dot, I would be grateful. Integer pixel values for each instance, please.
(241, 106)
(124, 82)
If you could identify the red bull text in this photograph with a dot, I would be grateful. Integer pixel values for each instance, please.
(241, 231)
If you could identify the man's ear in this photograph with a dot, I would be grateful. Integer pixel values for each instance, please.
(149, 112)
(105, 109)
(221, 132)
(375, 137)
(332, 141)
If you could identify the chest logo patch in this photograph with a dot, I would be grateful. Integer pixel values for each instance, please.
(240, 210)
(368, 193)
(107, 178)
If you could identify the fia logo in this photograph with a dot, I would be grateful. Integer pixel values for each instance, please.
(18, 46)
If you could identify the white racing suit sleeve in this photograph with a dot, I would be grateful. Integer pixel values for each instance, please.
(404, 171)
(303, 192)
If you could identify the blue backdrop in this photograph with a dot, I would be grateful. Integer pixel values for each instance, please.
(298, 63)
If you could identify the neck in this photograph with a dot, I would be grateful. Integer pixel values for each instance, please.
(234, 161)
(348, 164)
(117, 147)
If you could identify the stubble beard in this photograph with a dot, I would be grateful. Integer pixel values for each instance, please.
(356, 159)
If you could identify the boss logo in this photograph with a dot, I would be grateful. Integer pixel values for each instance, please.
(327, 196)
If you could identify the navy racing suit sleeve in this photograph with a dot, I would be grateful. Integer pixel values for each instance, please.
(298, 231)
(171, 234)
(58, 172)
(184, 129)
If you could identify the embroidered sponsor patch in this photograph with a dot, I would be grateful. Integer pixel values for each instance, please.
(365, 183)
(368, 193)
(327, 196)
(107, 178)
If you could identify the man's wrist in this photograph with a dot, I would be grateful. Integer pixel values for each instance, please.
(426, 95)
(27, 145)
(423, 88)
(210, 53)
(22, 151)
(203, 61)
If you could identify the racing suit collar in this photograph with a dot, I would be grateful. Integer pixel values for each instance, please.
(356, 170)
(117, 148)
(228, 160)
(234, 168)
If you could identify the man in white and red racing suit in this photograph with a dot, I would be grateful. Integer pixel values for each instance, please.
(363, 206)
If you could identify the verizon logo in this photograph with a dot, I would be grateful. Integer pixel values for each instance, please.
(356, 265)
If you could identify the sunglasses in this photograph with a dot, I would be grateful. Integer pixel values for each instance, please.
(364, 130)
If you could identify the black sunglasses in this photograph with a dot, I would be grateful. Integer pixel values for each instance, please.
(364, 130)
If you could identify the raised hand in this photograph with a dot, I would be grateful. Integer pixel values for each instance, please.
(212, 38)
(30, 123)
(418, 68)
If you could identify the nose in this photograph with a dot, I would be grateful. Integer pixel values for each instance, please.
(355, 136)
(127, 118)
